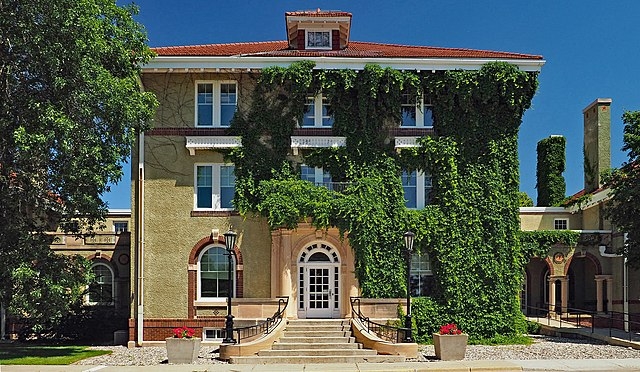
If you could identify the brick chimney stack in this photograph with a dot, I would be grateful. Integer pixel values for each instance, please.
(597, 142)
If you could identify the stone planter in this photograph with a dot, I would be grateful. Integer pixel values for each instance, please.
(450, 347)
(182, 350)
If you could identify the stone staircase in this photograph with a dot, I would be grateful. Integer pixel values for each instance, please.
(316, 341)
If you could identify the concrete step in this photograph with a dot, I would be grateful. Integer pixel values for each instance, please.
(320, 327)
(293, 346)
(319, 352)
(317, 333)
(317, 359)
(317, 340)
(318, 322)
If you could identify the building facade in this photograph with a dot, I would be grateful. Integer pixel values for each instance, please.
(183, 188)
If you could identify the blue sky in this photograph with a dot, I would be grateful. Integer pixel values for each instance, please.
(592, 49)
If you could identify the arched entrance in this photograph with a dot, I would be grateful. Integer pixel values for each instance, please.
(583, 271)
(318, 282)
(535, 287)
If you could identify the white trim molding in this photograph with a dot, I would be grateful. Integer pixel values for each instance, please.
(194, 143)
(181, 64)
(404, 142)
(308, 142)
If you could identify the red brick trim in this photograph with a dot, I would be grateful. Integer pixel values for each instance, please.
(189, 132)
(335, 40)
(159, 329)
(301, 40)
(101, 257)
(132, 330)
(588, 255)
(550, 266)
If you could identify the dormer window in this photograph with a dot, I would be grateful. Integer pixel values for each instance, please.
(318, 39)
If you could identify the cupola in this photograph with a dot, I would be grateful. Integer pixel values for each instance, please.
(318, 29)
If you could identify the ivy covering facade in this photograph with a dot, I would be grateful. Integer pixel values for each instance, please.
(471, 228)
(551, 164)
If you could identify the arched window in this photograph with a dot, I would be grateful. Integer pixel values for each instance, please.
(213, 273)
(101, 290)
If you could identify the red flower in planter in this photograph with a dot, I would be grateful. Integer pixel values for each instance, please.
(183, 332)
(450, 329)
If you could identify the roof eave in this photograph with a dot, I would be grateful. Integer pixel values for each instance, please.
(208, 63)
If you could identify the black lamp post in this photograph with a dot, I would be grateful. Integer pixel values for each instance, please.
(408, 246)
(230, 242)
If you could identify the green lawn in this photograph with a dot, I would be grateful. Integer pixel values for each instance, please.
(44, 354)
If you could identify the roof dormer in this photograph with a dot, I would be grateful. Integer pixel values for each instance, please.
(318, 29)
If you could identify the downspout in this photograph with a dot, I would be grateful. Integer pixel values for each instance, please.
(140, 234)
(625, 282)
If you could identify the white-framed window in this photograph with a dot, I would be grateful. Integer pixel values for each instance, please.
(120, 226)
(421, 283)
(315, 175)
(416, 113)
(101, 289)
(318, 39)
(417, 188)
(316, 112)
(212, 334)
(213, 273)
(561, 224)
(216, 102)
(214, 186)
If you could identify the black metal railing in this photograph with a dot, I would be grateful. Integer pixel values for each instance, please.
(264, 327)
(610, 321)
(384, 331)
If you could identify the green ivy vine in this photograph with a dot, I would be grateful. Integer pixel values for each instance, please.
(471, 229)
(551, 164)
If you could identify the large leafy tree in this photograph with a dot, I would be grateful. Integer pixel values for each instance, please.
(70, 105)
(624, 183)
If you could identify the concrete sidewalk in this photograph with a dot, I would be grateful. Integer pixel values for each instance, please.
(590, 365)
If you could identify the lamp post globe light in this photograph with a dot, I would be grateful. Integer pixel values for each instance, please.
(408, 246)
(229, 242)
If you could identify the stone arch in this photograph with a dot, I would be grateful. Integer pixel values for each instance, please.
(581, 270)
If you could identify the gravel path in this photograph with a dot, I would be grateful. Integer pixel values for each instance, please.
(543, 347)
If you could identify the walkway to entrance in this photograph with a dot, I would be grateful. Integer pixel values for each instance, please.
(611, 336)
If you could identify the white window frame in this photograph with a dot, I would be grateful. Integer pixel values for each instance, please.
(318, 176)
(218, 331)
(199, 296)
(419, 271)
(115, 230)
(216, 197)
(217, 105)
(317, 112)
(87, 301)
(421, 185)
(306, 39)
(420, 108)
(560, 220)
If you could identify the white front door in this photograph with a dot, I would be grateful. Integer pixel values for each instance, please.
(319, 301)
(318, 282)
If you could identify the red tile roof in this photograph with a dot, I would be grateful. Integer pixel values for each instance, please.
(355, 49)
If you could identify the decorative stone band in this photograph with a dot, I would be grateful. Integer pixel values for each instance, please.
(211, 142)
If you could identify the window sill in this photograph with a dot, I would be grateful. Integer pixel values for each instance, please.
(211, 302)
(228, 213)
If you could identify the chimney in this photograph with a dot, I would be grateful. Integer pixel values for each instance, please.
(597, 142)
